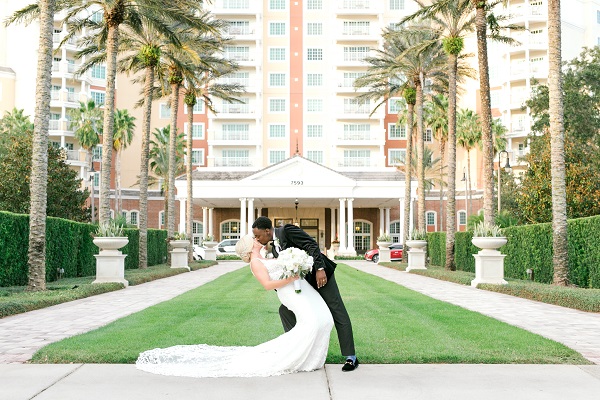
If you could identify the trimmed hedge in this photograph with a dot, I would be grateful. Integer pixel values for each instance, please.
(69, 246)
(530, 247)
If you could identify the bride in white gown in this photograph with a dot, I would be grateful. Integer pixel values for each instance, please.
(304, 348)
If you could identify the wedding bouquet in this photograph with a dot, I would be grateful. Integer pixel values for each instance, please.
(295, 262)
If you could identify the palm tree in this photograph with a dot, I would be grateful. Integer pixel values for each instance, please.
(453, 20)
(44, 9)
(160, 158)
(14, 124)
(124, 128)
(557, 146)
(468, 134)
(205, 89)
(86, 123)
(437, 120)
(102, 45)
(405, 59)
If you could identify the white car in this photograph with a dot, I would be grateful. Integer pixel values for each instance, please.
(224, 247)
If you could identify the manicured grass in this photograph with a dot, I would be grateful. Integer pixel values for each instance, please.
(391, 325)
(569, 296)
(15, 300)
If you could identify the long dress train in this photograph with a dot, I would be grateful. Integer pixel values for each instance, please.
(304, 348)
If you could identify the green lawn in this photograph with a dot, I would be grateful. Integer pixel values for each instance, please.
(391, 325)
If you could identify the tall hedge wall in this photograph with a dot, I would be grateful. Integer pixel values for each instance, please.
(69, 246)
(530, 246)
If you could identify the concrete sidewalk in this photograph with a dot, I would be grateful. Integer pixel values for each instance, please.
(381, 382)
(21, 335)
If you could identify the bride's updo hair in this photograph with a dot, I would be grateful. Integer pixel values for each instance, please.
(243, 248)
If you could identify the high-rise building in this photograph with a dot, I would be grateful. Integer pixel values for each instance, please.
(300, 146)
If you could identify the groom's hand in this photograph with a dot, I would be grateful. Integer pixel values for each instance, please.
(321, 278)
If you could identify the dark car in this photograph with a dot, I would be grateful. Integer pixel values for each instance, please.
(395, 253)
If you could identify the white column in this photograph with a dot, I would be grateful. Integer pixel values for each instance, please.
(334, 232)
(250, 215)
(210, 223)
(351, 249)
(342, 225)
(401, 220)
(387, 220)
(204, 222)
(381, 222)
(242, 216)
(182, 220)
(412, 214)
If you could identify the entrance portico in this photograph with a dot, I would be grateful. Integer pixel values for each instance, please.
(353, 206)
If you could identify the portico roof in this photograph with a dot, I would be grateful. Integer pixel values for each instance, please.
(278, 185)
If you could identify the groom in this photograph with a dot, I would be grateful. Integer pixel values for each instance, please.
(321, 278)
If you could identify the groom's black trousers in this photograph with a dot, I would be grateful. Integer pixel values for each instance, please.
(331, 294)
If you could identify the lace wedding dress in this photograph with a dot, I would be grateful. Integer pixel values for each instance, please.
(303, 348)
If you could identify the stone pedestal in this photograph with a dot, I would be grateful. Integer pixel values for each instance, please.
(384, 255)
(416, 259)
(110, 267)
(210, 254)
(179, 258)
(489, 268)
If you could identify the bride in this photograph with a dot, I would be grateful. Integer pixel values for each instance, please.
(304, 348)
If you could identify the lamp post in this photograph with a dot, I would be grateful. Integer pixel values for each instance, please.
(464, 179)
(92, 176)
(507, 169)
(296, 222)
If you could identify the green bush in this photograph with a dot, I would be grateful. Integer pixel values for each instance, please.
(69, 249)
(436, 248)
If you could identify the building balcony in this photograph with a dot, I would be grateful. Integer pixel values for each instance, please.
(236, 7)
(359, 7)
(235, 111)
(359, 112)
(247, 83)
(357, 35)
(242, 59)
(233, 162)
(346, 85)
(240, 33)
(358, 162)
(356, 59)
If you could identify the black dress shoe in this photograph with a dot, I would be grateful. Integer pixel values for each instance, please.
(350, 365)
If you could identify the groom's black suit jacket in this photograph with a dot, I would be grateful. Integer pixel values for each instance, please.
(292, 236)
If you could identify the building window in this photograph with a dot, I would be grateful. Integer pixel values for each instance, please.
(99, 71)
(198, 107)
(396, 156)
(276, 105)
(234, 158)
(98, 97)
(462, 218)
(197, 231)
(356, 28)
(395, 231)
(357, 158)
(350, 77)
(314, 54)
(395, 105)
(230, 230)
(276, 4)
(396, 4)
(396, 131)
(315, 156)
(197, 156)
(276, 156)
(97, 16)
(277, 54)
(235, 132)
(161, 219)
(314, 105)
(237, 53)
(164, 111)
(276, 131)
(276, 28)
(197, 130)
(314, 131)
(97, 153)
(428, 135)
(314, 5)
(238, 27)
(598, 17)
(133, 218)
(276, 79)
(356, 53)
(362, 236)
(357, 132)
(430, 217)
(314, 80)
(314, 28)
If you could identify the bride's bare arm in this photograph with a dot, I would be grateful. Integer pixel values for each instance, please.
(261, 274)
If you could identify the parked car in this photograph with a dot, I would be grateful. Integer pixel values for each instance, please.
(198, 252)
(224, 247)
(395, 253)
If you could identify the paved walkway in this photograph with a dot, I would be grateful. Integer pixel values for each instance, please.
(21, 335)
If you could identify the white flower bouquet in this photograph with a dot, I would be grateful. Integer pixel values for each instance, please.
(295, 262)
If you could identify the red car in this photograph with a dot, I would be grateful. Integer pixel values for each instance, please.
(395, 253)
